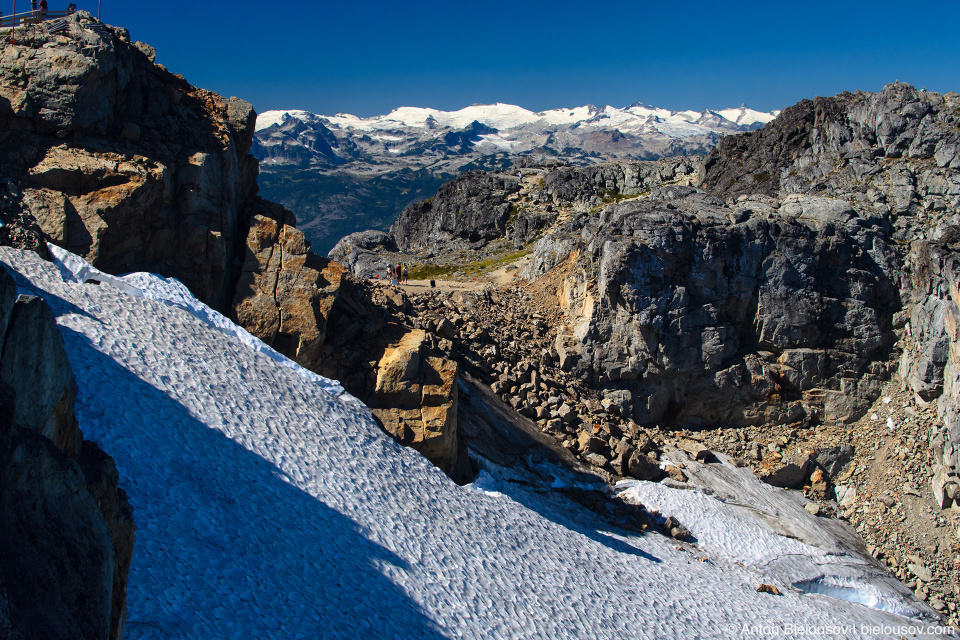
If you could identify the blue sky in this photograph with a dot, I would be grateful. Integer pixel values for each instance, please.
(367, 58)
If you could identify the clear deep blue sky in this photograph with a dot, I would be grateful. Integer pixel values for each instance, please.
(369, 57)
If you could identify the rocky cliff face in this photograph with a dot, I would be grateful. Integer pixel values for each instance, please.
(67, 528)
(114, 158)
(707, 320)
(892, 155)
(120, 161)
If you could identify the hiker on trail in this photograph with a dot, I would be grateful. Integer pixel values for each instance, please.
(406, 274)
(43, 7)
(71, 8)
(33, 5)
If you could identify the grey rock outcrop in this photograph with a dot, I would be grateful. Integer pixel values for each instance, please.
(468, 211)
(709, 320)
(365, 252)
(891, 153)
(930, 364)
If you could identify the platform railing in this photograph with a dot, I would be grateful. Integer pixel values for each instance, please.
(30, 17)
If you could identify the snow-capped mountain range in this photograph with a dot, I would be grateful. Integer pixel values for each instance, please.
(505, 127)
(332, 170)
(508, 116)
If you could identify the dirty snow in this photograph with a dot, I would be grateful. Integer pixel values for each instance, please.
(268, 507)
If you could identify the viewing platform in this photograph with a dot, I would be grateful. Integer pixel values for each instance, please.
(31, 17)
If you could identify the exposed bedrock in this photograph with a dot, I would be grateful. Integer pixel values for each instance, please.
(706, 320)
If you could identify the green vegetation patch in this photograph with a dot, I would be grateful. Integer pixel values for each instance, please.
(763, 176)
(467, 270)
(431, 271)
(615, 196)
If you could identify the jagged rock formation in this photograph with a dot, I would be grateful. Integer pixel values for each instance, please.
(285, 293)
(122, 162)
(67, 528)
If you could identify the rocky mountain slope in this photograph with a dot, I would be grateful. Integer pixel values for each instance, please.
(341, 173)
(785, 280)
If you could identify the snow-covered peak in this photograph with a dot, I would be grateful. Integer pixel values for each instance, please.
(270, 118)
(746, 116)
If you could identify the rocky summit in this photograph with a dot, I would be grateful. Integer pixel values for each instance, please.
(783, 309)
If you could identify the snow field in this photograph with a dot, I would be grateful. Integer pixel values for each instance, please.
(268, 507)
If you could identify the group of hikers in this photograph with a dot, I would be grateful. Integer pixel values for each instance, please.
(399, 273)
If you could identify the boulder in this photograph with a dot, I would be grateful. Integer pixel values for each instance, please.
(589, 443)
(789, 472)
(34, 364)
(833, 460)
(415, 399)
(643, 467)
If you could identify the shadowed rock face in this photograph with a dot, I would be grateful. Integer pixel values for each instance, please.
(35, 366)
(67, 528)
